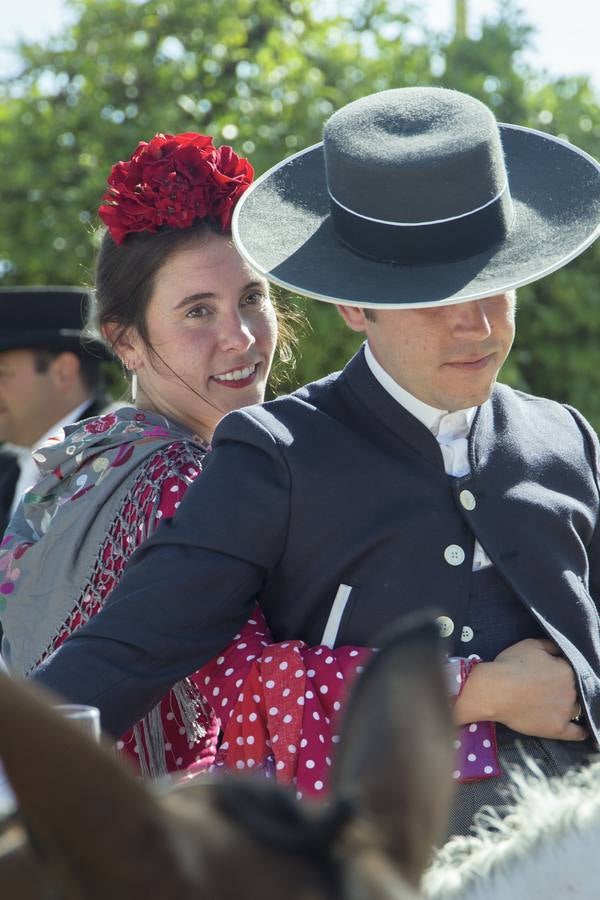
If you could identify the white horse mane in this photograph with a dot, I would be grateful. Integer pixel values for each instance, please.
(548, 846)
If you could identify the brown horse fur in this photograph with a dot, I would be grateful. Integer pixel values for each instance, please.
(91, 830)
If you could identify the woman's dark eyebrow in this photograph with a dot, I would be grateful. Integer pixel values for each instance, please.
(208, 295)
(194, 298)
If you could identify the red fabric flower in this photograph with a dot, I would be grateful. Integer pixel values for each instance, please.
(174, 180)
(100, 425)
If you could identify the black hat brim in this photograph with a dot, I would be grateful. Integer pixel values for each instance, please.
(282, 227)
(56, 343)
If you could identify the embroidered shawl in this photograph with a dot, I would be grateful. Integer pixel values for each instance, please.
(53, 540)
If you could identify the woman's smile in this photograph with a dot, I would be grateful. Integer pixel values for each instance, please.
(237, 378)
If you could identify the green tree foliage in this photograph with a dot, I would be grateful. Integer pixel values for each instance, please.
(263, 75)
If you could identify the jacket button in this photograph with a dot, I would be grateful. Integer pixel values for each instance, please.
(446, 625)
(467, 500)
(454, 555)
(466, 634)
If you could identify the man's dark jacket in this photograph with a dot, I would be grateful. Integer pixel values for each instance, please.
(338, 484)
(9, 475)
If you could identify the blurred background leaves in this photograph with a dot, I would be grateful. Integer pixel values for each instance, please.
(263, 75)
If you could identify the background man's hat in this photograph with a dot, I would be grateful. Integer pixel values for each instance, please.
(417, 197)
(47, 318)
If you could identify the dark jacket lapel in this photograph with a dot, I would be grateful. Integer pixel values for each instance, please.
(375, 412)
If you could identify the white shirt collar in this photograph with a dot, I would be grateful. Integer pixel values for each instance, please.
(429, 416)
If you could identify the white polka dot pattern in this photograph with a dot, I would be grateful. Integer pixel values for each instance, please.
(475, 745)
(284, 717)
(285, 701)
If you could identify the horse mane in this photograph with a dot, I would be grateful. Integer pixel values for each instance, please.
(273, 816)
(543, 813)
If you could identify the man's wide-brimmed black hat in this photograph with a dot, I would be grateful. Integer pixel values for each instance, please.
(47, 318)
(418, 197)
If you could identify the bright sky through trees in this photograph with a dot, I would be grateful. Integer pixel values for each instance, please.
(565, 44)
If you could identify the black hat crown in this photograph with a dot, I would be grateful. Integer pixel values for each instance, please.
(417, 197)
(47, 318)
(416, 174)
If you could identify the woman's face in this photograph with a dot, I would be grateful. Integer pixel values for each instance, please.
(213, 329)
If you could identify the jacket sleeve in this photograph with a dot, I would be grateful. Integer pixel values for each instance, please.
(593, 548)
(187, 592)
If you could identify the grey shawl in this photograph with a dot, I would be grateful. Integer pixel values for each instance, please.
(53, 542)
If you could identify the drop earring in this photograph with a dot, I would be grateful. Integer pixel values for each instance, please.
(133, 387)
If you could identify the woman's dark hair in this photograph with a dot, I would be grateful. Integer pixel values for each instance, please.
(126, 273)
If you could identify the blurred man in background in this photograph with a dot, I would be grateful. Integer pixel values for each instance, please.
(48, 378)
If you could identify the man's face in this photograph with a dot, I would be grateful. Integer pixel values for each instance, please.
(28, 398)
(447, 356)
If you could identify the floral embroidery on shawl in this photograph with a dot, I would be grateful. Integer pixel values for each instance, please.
(133, 468)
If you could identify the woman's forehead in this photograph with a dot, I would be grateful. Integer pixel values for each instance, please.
(212, 265)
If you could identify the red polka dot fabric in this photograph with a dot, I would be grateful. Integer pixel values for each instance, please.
(280, 707)
(475, 744)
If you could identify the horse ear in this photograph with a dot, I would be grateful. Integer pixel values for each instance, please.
(21, 876)
(395, 754)
(90, 819)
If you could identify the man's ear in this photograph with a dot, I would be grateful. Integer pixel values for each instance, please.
(395, 756)
(353, 316)
(65, 370)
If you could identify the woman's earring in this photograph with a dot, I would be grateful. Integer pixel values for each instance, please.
(134, 385)
(134, 380)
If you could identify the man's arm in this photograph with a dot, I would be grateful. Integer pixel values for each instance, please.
(187, 591)
(531, 687)
(593, 548)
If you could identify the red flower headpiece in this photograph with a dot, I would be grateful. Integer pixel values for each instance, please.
(174, 180)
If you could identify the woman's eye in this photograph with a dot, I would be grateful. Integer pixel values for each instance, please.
(197, 312)
(254, 299)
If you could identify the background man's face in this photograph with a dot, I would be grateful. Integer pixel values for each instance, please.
(447, 356)
(27, 398)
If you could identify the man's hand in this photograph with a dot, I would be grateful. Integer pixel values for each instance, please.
(529, 687)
